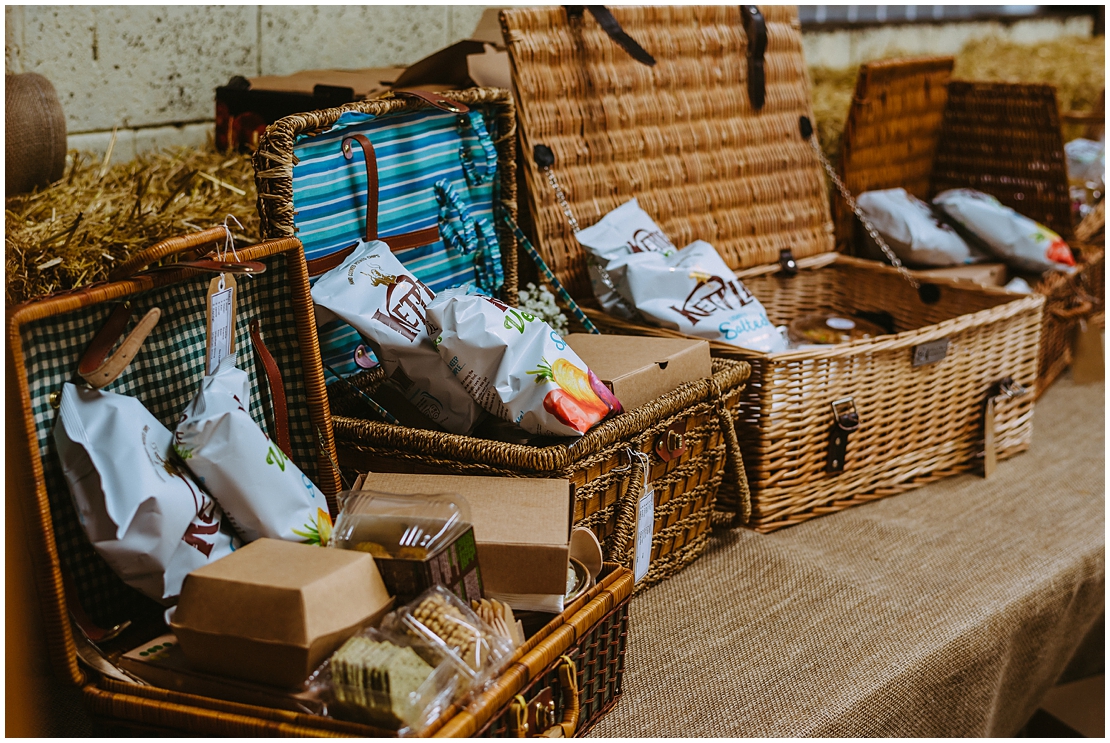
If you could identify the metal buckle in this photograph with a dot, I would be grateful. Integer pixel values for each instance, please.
(1010, 389)
(851, 417)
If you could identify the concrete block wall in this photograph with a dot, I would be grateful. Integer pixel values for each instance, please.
(150, 72)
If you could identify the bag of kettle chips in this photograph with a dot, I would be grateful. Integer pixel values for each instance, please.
(912, 230)
(691, 290)
(516, 366)
(695, 292)
(626, 230)
(1016, 239)
(146, 516)
(263, 493)
(382, 300)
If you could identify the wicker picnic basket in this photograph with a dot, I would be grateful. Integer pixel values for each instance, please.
(910, 126)
(685, 440)
(46, 339)
(684, 138)
(607, 472)
(91, 617)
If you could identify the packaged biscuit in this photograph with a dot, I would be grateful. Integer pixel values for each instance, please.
(385, 303)
(912, 230)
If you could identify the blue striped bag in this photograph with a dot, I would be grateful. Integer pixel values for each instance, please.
(433, 177)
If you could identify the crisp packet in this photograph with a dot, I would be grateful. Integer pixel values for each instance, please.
(382, 300)
(146, 516)
(692, 290)
(1016, 239)
(263, 493)
(516, 366)
(912, 230)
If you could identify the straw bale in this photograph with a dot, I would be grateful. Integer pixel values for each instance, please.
(71, 233)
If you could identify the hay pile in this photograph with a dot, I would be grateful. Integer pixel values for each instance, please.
(1074, 64)
(72, 233)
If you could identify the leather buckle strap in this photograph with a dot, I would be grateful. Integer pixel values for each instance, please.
(756, 29)
(277, 388)
(406, 241)
(435, 100)
(613, 29)
(97, 367)
(845, 421)
(371, 161)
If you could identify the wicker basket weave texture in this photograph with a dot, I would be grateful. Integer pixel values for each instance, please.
(890, 136)
(910, 126)
(681, 136)
(606, 475)
(919, 424)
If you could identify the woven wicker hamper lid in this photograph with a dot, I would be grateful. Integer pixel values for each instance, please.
(680, 136)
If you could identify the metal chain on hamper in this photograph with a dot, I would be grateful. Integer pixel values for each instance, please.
(807, 134)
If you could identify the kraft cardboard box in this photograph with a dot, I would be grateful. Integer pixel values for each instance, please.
(984, 274)
(640, 369)
(521, 525)
(272, 611)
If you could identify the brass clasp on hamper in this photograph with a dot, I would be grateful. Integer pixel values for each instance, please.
(845, 420)
(536, 718)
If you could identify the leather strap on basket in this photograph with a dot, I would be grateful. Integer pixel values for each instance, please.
(277, 388)
(98, 366)
(435, 100)
(611, 27)
(756, 29)
(371, 161)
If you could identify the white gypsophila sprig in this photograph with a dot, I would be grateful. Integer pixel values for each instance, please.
(539, 301)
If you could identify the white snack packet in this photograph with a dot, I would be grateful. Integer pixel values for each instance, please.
(516, 366)
(263, 493)
(912, 230)
(691, 290)
(146, 516)
(382, 300)
(695, 292)
(1016, 239)
(625, 230)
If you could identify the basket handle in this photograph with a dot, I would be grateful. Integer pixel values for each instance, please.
(180, 244)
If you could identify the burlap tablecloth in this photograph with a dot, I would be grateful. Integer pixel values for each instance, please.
(945, 611)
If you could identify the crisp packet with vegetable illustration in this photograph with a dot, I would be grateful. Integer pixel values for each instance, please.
(146, 516)
(263, 493)
(384, 302)
(1018, 240)
(516, 366)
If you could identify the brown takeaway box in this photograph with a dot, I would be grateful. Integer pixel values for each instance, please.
(521, 525)
(639, 369)
(272, 611)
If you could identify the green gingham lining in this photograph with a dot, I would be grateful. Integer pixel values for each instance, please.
(164, 376)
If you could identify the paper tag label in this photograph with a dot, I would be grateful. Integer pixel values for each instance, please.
(221, 320)
(645, 526)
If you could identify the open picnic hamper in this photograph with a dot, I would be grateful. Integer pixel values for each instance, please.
(821, 429)
(911, 126)
(684, 441)
(566, 675)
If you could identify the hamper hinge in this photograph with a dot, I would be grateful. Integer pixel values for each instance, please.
(787, 262)
(845, 420)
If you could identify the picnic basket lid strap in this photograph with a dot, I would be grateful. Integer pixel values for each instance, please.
(371, 161)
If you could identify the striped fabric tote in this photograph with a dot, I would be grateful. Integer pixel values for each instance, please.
(429, 175)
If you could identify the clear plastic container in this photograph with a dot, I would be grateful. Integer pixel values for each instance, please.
(398, 526)
(823, 330)
(439, 618)
(389, 680)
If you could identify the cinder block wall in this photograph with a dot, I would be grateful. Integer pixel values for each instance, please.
(151, 71)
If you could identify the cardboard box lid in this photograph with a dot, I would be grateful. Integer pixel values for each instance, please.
(281, 592)
(479, 60)
(639, 369)
(522, 525)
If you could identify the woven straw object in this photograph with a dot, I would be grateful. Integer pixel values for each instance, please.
(683, 139)
(607, 476)
(909, 126)
(681, 136)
